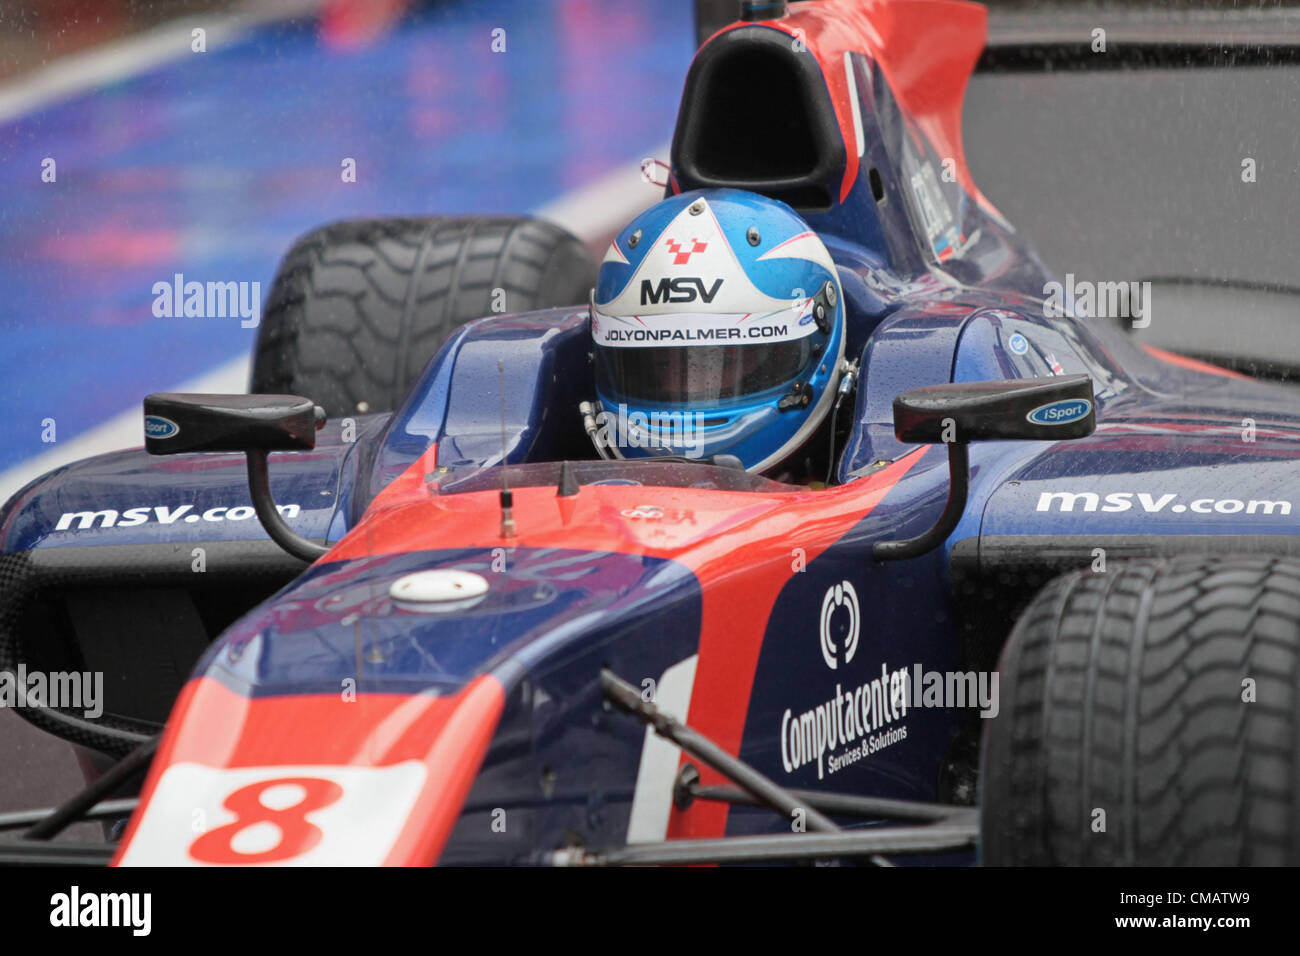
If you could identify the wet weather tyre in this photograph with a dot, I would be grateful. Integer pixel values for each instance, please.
(358, 308)
(1130, 693)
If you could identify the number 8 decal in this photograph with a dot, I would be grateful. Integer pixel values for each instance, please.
(296, 834)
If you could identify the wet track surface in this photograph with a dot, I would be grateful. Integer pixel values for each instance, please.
(212, 164)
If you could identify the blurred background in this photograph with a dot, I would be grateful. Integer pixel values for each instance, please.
(140, 139)
(201, 139)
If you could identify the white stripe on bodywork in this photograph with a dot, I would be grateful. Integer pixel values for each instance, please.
(604, 206)
(652, 801)
(853, 99)
(98, 68)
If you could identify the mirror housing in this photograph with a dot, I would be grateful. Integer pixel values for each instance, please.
(176, 423)
(1026, 409)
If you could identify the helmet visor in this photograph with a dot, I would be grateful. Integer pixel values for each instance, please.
(692, 358)
(700, 374)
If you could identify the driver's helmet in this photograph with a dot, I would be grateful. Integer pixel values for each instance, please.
(718, 325)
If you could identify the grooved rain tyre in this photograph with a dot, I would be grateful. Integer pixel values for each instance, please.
(358, 308)
(1123, 691)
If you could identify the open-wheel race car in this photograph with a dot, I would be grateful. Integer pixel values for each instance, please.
(807, 525)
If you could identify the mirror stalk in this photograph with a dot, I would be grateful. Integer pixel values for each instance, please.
(259, 485)
(1052, 408)
(958, 485)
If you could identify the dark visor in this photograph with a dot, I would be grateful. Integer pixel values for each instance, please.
(699, 374)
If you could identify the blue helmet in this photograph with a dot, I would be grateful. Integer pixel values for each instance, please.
(718, 326)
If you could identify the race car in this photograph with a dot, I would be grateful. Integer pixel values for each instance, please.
(948, 572)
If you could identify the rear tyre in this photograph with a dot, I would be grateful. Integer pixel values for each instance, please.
(358, 308)
(1149, 717)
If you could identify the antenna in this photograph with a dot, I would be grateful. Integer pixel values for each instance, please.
(507, 498)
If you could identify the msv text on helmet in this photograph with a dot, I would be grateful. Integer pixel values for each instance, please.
(680, 289)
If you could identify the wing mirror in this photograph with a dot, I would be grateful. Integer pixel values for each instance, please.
(1027, 409)
(177, 423)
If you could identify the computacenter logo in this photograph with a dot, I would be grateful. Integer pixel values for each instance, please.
(1145, 502)
(844, 596)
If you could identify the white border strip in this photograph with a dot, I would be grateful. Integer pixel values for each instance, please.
(652, 799)
(603, 207)
(86, 70)
(853, 99)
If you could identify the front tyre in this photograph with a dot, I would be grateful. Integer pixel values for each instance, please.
(1149, 717)
(358, 308)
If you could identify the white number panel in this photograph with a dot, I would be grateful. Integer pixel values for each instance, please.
(312, 815)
